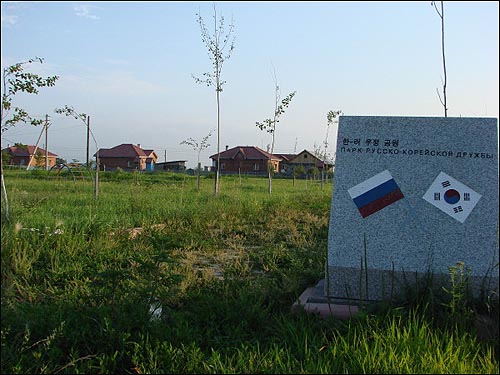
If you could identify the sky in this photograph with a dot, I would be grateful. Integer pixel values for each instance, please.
(130, 67)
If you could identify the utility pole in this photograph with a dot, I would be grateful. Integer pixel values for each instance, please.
(165, 155)
(97, 161)
(88, 139)
(69, 111)
(97, 167)
(46, 142)
(31, 157)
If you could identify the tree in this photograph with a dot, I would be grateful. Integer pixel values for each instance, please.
(216, 44)
(314, 172)
(298, 171)
(442, 99)
(198, 146)
(39, 158)
(330, 117)
(269, 124)
(15, 80)
(6, 157)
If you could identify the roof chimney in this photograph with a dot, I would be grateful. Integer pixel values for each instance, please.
(139, 145)
(227, 147)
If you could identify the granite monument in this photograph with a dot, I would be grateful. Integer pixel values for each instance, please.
(412, 196)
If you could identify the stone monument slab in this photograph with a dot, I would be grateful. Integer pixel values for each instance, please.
(412, 196)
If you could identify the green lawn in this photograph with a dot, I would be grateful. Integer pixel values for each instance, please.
(80, 275)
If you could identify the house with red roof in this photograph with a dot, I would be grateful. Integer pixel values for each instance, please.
(253, 160)
(24, 155)
(245, 159)
(126, 156)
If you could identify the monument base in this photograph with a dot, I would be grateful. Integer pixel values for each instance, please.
(353, 286)
(313, 300)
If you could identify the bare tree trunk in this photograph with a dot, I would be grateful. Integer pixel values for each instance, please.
(96, 186)
(217, 174)
(444, 62)
(4, 190)
(276, 102)
(443, 99)
(270, 181)
(46, 142)
(198, 177)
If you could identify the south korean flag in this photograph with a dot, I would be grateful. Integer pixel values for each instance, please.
(452, 197)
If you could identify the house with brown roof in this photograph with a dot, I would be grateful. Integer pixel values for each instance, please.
(305, 158)
(245, 159)
(127, 156)
(24, 155)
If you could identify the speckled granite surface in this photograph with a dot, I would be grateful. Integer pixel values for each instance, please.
(453, 162)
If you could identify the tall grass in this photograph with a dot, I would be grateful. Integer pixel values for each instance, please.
(79, 278)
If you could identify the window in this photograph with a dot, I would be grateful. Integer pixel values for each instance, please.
(256, 166)
(222, 166)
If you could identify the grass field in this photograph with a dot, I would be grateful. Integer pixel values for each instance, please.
(81, 279)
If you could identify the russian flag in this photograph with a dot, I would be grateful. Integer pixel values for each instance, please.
(375, 193)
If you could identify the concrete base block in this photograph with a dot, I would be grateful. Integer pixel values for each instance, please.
(312, 300)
